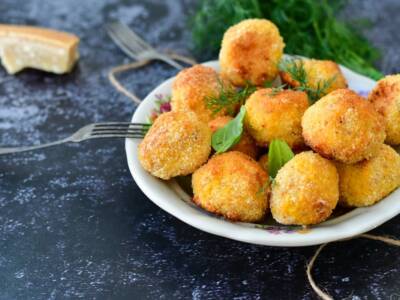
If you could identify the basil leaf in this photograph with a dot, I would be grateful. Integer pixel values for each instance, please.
(229, 135)
(279, 154)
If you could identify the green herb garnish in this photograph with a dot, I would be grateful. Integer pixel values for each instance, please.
(229, 98)
(279, 153)
(229, 135)
(295, 68)
(309, 28)
(317, 93)
(276, 90)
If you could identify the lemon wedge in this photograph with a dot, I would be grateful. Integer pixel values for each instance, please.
(39, 48)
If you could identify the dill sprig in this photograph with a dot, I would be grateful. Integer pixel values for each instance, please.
(229, 98)
(276, 90)
(322, 87)
(309, 28)
(295, 68)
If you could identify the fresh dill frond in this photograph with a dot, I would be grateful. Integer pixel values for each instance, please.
(321, 89)
(276, 90)
(224, 100)
(229, 98)
(295, 68)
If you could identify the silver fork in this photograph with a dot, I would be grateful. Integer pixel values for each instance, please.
(92, 131)
(134, 46)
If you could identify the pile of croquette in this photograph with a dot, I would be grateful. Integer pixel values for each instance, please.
(342, 142)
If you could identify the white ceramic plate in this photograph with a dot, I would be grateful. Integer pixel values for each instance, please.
(170, 197)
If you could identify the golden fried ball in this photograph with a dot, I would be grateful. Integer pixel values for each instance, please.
(176, 144)
(232, 185)
(343, 126)
(318, 71)
(385, 97)
(276, 115)
(247, 145)
(251, 51)
(368, 181)
(192, 87)
(305, 190)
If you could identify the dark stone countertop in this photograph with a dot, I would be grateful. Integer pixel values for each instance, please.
(73, 224)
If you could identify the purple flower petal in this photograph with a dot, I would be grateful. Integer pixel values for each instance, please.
(165, 107)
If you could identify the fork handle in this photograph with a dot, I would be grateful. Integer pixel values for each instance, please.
(9, 150)
(169, 61)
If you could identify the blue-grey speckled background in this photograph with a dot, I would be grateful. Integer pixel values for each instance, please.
(73, 224)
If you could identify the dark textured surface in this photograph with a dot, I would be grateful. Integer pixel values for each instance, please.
(74, 225)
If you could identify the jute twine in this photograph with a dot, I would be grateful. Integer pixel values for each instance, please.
(112, 75)
(323, 295)
(310, 265)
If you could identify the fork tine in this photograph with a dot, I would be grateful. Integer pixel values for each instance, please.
(131, 35)
(134, 46)
(133, 136)
(120, 124)
(119, 128)
(128, 38)
(122, 44)
(117, 131)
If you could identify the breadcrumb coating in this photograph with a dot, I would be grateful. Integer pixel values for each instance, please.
(319, 71)
(247, 145)
(192, 87)
(251, 51)
(369, 181)
(385, 97)
(232, 185)
(305, 190)
(343, 126)
(176, 144)
(276, 115)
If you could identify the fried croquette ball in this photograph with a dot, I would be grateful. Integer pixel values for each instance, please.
(305, 190)
(250, 52)
(246, 144)
(176, 144)
(192, 87)
(276, 115)
(343, 126)
(385, 97)
(318, 72)
(232, 185)
(368, 181)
